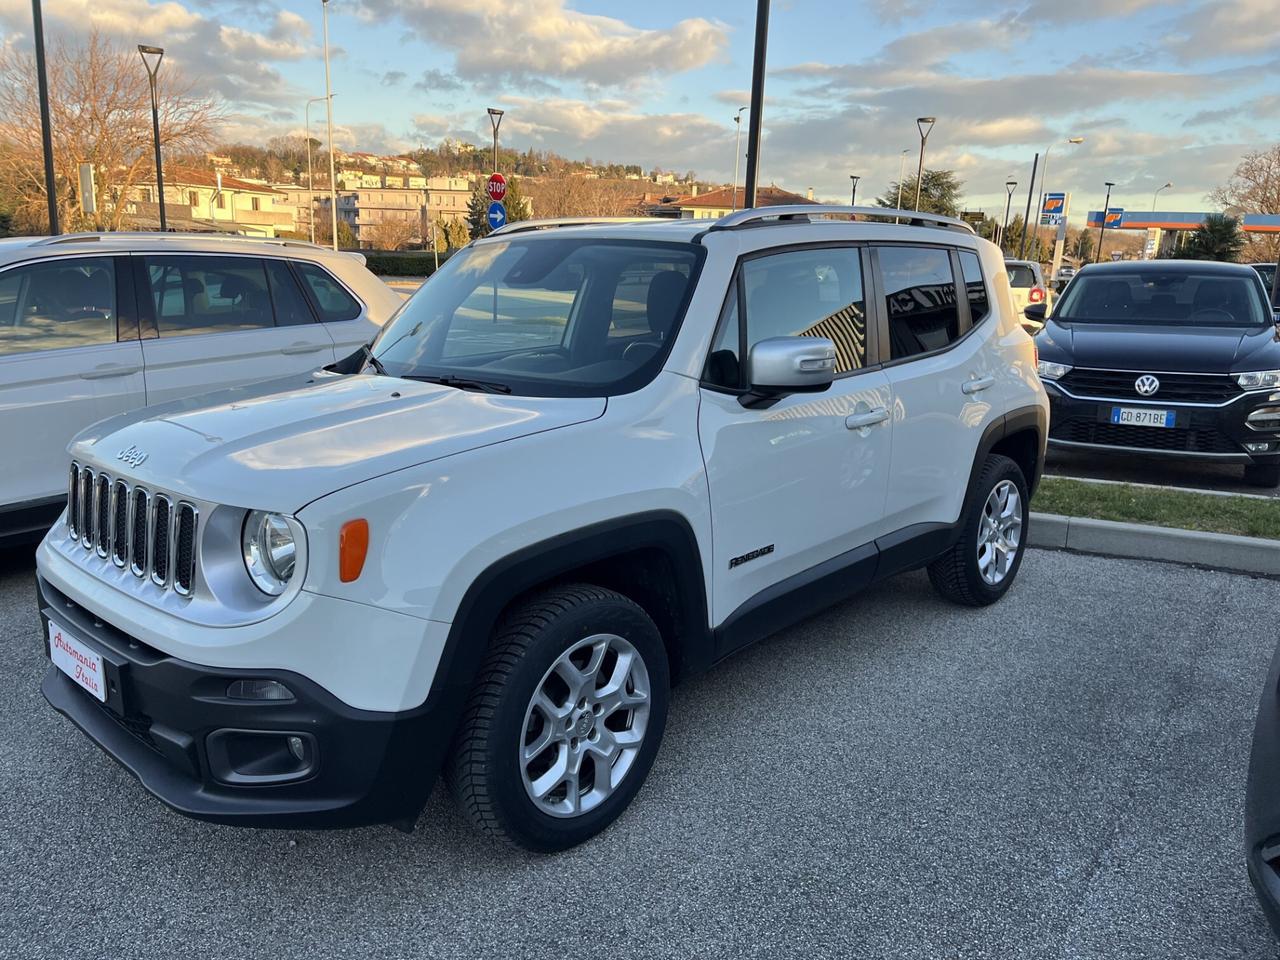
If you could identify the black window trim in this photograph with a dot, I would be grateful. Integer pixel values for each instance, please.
(986, 288)
(882, 316)
(297, 286)
(737, 289)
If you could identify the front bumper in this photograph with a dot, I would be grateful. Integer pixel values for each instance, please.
(1201, 432)
(162, 718)
(1262, 800)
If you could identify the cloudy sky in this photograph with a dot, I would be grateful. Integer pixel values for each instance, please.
(1161, 90)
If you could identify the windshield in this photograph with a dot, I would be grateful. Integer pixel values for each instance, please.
(1020, 275)
(545, 317)
(1267, 271)
(1155, 297)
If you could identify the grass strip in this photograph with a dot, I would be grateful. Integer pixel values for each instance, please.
(1183, 509)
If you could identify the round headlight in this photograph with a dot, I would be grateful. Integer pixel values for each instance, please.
(270, 551)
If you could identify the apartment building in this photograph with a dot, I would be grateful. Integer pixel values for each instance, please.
(204, 200)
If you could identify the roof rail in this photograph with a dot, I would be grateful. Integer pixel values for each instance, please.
(527, 226)
(154, 235)
(808, 211)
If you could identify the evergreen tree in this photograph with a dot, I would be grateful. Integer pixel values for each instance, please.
(940, 193)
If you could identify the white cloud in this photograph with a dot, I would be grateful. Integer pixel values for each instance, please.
(492, 39)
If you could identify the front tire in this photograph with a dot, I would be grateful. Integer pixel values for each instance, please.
(1262, 474)
(983, 562)
(565, 718)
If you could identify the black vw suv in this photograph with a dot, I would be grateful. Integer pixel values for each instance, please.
(1174, 358)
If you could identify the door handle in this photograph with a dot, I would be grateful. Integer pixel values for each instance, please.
(856, 421)
(301, 348)
(977, 384)
(107, 370)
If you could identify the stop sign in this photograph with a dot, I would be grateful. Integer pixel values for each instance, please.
(496, 187)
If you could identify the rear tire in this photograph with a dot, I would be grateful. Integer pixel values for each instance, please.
(1262, 474)
(564, 720)
(983, 562)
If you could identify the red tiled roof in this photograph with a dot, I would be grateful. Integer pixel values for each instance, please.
(185, 177)
(723, 198)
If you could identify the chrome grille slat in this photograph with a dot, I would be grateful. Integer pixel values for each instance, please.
(151, 534)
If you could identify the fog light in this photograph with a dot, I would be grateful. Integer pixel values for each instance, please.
(298, 749)
(258, 690)
(1258, 447)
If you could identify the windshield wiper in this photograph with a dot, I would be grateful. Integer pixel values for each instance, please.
(463, 383)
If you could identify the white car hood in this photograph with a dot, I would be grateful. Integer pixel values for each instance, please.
(280, 445)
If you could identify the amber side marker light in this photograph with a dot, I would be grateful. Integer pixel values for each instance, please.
(353, 546)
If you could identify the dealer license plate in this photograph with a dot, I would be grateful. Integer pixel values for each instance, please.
(77, 661)
(1143, 417)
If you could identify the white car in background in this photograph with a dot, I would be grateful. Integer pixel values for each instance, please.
(1026, 283)
(94, 325)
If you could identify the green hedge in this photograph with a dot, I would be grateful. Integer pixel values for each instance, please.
(416, 263)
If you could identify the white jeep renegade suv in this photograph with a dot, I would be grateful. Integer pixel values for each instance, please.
(585, 460)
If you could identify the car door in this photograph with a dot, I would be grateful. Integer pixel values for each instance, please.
(943, 376)
(341, 313)
(69, 356)
(801, 482)
(213, 321)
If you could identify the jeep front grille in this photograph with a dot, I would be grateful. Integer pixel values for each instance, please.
(147, 533)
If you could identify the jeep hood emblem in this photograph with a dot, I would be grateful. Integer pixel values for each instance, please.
(132, 456)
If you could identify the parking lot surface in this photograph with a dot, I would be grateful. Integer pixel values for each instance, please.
(1227, 477)
(1060, 775)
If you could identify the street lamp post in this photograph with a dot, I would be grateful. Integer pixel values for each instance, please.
(328, 111)
(902, 166)
(925, 126)
(495, 119)
(1044, 176)
(153, 68)
(737, 152)
(1009, 186)
(754, 127)
(1026, 217)
(46, 130)
(1155, 195)
(1102, 227)
(311, 180)
(853, 194)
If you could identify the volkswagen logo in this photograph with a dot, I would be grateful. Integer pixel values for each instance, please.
(1146, 385)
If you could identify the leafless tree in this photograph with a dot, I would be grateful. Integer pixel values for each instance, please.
(392, 234)
(100, 112)
(1255, 188)
(570, 196)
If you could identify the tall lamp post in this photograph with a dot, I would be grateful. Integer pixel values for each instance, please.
(328, 111)
(1044, 176)
(46, 130)
(902, 166)
(1009, 186)
(495, 119)
(311, 180)
(1026, 217)
(1102, 227)
(151, 57)
(853, 194)
(925, 126)
(737, 152)
(1155, 195)
(756, 120)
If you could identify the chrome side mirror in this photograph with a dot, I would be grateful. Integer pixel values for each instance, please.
(780, 366)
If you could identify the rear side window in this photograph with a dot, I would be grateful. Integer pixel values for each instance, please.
(287, 298)
(975, 287)
(56, 305)
(920, 300)
(191, 295)
(331, 300)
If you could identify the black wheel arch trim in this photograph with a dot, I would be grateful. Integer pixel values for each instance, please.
(1021, 419)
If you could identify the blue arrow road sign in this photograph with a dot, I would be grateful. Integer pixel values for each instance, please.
(497, 215)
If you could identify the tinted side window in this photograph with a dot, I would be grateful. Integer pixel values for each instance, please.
(975, 287)
(920, 299)
(330, 298)
(809, 293)
(286, 297)
(199, 295)
(52, 306)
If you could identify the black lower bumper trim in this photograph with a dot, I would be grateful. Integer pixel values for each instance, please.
(369, 767)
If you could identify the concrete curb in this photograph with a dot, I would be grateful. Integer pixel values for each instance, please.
(1216, 551)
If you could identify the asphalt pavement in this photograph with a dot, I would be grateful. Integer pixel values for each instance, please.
(1060, 775)
(1128, 468)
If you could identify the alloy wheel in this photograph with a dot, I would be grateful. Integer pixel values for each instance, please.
(584, 725)
(999, 532)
